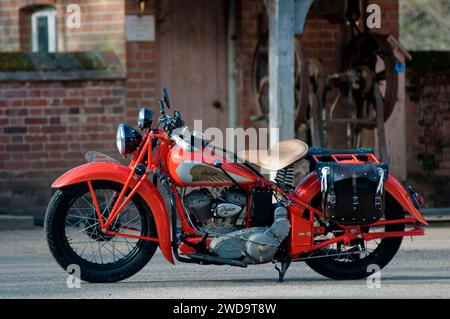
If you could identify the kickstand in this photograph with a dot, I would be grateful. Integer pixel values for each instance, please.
(285, 262)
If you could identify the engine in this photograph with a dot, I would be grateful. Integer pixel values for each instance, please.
(256, 244)
(219, 216)
(215, 214)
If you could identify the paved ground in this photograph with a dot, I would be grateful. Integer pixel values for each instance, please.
(420, 270)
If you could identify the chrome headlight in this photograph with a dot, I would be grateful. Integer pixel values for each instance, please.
(127, 139)
(145, 118)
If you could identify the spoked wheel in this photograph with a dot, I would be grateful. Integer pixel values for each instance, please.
(369, 67)
(260, 80)
(352, 262)
(373, 58)
(372, 55)
(75, 237)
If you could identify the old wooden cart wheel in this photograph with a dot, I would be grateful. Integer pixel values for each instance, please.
(374, 56)
(369, 58)
(260, 80)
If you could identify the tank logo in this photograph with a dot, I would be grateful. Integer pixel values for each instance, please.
(203, 173)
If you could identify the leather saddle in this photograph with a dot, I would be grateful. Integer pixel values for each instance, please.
(281, 155)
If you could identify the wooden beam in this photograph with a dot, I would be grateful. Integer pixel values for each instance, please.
(382, 145)
(301, 11)
(286, 19)
(281, 68)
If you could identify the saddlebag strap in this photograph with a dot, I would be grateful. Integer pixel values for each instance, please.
(326, 201)
(380, 190)
(346, 171)
(331, 198)
(355, 199)
(323, 180)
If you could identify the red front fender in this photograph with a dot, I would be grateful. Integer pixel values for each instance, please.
(310, 186)
(119, 173)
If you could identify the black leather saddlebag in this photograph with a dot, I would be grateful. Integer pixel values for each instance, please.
(352, 194)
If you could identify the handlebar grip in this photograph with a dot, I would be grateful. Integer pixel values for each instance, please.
(178, 121)
(161, 107)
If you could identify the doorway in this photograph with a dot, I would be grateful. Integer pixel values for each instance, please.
(191, 37)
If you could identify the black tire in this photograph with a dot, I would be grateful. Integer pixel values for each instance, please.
(63, 253)
(381, 256)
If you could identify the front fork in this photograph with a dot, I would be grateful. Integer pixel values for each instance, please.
(119, 203)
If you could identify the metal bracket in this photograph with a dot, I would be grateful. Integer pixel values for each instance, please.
(285, 262)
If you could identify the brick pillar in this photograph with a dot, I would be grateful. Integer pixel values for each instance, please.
(140, 62)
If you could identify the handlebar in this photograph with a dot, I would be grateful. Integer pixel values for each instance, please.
(169, 122)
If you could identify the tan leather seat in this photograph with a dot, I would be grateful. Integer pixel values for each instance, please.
(281, 155)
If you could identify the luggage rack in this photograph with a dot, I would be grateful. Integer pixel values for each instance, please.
(347, 158)
(351, 156)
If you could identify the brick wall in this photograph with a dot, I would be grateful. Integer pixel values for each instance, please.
(102, 25)
(141, 68)
(248, 16)
(46, 127)
(428, 126)
(429, 119)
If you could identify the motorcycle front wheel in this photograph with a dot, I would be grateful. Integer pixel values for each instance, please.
(74, 235)
(361, 258)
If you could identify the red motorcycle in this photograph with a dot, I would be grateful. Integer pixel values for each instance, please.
(347, 214)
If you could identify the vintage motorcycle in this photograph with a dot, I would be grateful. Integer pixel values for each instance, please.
(347, 214)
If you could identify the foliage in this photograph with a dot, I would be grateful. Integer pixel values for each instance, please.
(14, 61)
(30, 61)
(90, 60)
(425, 24)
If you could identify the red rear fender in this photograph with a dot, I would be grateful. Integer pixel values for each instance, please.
(399, 193)
(310, 186)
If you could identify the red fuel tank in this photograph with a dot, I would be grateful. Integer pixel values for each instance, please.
(196, 168)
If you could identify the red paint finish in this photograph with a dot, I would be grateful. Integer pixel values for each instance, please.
(179, 167)
(184, 162)
(396, 190)
(119, 174)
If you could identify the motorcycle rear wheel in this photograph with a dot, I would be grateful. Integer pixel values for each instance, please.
(74, 236)
(358, 268)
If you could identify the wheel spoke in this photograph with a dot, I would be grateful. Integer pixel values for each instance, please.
(129, 222)
(83, 233)
(100, 251)
(116, 249)
(92, 253)
(341, 253)
(84, 229)
(86, 201)
(85, 246)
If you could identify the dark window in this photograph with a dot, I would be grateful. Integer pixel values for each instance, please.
(42, 34)
(43, 30)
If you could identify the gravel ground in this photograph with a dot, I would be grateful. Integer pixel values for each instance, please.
(421, 269)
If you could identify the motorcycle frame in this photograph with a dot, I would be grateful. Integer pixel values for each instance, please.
(303, 230)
